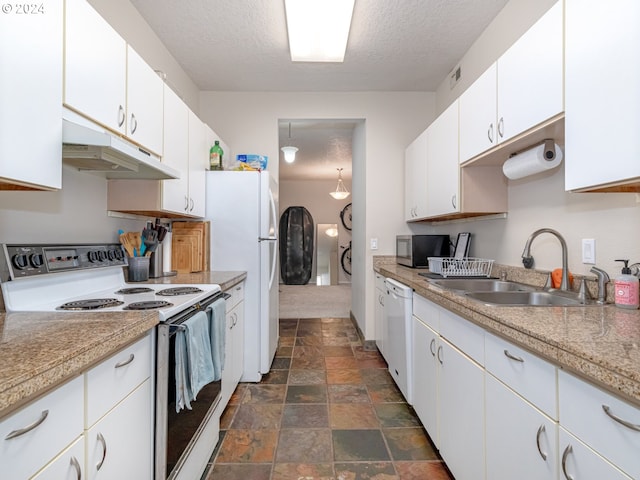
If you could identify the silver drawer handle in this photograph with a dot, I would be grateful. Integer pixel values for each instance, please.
(28, 428)
(104, 451)
(565, 454)
(431, 345)
(125, 362)
(76, 465)
(513, 357)
(541, 430)
(630, 425)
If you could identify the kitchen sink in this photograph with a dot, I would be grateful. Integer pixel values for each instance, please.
(526, 299)
(482, 285)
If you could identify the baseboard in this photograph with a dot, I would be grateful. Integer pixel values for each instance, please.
(369, 345)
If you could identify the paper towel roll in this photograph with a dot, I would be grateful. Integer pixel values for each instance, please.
(535, 160)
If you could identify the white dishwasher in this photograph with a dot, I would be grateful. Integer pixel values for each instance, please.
(398, 310)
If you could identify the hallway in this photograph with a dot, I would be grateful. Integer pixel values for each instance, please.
(328, 410)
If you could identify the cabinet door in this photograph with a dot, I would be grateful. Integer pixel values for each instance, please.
(602, 93)
(461, 401)
(577, 461)
(31, 97)
(443, 167)
(425, 377)
(49, 425)
(144, 103)
(478, 104)
(69, 465)
(381, 329)
(175, 193)
(95, 69)
(198, 163)
(415, 177)
(604, 422)
(120, 445)
(530, 76)
(521, 441)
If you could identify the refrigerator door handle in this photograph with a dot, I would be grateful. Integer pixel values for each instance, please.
(274, 220)
(267, 239)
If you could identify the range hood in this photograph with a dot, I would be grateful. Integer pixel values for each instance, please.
(95, 150)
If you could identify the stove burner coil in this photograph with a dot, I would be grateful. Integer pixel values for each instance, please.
(134, 290)
(169, 292)
(91, 304)
(150, 305)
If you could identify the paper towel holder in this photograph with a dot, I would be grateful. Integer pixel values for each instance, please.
(549, 149)
(545, 155)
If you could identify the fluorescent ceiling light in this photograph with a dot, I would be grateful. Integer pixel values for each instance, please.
(318, 29)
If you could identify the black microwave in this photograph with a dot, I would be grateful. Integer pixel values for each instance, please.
(414, 250)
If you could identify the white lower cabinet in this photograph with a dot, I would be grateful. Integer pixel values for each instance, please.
(449, 388)
(98, 425)
(234, 344)
(577, 461)
(608, 425)
(521, 441)
(461, 405)
(381, 328)
(119, 445)
(69, 465)
(34, 435)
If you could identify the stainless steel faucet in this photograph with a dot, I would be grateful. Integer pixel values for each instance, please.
(527, 259)
(603, 278)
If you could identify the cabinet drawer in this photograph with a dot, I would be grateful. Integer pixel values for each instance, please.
(426, 311)
(465, 335)
(237, 296)
(23, 455)
(69, 465)
(116, 377)
(582, 412)
(525, 373)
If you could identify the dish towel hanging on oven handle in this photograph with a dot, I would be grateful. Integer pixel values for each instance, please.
(217, 312)
(194, 364)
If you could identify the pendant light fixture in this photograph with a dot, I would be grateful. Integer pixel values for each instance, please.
(341, 191)
(289, 151)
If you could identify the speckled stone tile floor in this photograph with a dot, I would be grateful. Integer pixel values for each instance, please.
(328, 410)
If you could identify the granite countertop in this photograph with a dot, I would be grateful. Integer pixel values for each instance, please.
(41, 350)
(599, 343)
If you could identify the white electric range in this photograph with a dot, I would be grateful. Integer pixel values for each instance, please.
(53, 278)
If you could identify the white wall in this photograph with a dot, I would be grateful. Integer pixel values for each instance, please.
(314, 196)
(248, 122)
(75, 214)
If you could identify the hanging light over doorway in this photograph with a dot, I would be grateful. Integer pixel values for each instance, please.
(341, 191)
(289, 151)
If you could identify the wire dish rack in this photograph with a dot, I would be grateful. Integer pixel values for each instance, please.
(460, 267)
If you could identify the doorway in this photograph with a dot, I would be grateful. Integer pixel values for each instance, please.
(324, 152)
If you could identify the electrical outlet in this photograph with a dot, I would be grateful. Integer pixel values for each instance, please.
(589, 251)
(374, 244)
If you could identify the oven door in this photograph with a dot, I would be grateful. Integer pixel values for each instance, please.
(180, 436)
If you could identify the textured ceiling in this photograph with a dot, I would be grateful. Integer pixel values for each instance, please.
(394, 45)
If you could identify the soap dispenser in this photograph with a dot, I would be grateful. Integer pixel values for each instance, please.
(626, 288)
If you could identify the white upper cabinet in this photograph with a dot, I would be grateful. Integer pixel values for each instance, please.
(31, 97)
(521, 90)
(95, 74)
(443, 170)
(478, 110)
(530, 87)
(602, 124)
(144, 103)
(107, 81)
(198, 165)
(415, 177)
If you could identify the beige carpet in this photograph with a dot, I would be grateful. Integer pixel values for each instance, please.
(312, 301)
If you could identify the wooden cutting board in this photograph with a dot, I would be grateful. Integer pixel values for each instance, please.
(190, 247)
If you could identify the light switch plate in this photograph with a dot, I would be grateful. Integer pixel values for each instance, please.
(589, 251)
(374, 244)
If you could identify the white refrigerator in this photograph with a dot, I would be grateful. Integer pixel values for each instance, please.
(242, 208)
